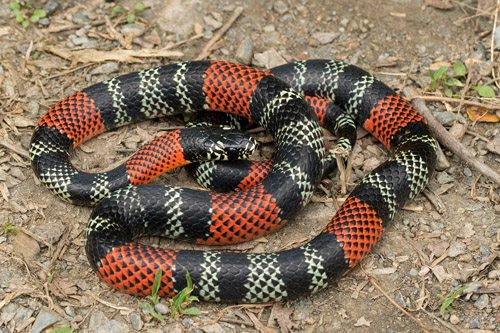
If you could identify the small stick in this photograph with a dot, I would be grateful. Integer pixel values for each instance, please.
(454, 100)
(453, 144)
(374, 283)
(206, 50)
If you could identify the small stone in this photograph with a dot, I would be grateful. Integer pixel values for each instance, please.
(136, 321)
(187, 322)
(438, 248)
(467, 172)
(244, 53)
(50, 7)
(325, 37)
(211, 22)
(268, 59)
(474, 323)
(482, 302)
(467, 230)
(485, 251)
(344, 21)
(493, 274)
(34, 107)
(280, 7)
(99, 323)
(413, 272)
(50, 232)
(44, 22)
(497, 36)
(80, 18)
(444, 178)
(22, 315)
(161, 308)
(135, 29)
(445, 118)
(456, 249)
(78, 40)
(9, 312)
(454, 319)
(70, 311)
(45, 319)
(107, 68)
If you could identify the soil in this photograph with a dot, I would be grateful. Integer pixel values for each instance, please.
(423, 252)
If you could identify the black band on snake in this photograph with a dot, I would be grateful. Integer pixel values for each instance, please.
(275, 100)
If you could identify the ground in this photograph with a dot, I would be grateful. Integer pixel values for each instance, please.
(45, 279)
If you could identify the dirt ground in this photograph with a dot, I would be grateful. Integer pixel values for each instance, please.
(45, 279)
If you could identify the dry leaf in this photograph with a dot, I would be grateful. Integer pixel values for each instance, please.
(436, 65)
(282, 316)
(91, 55)
(383, 271)
(481, 114)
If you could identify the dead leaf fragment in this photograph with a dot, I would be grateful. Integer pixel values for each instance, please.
(26, 246)
(494, 145)
(362, 322)
(440, 4)
(281, 315)
(481, 114)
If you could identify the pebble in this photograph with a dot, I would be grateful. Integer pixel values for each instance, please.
(9, 312)
(467, 172)
(244, 53)
(325, 37)
(456, 249)
(50, 7)
(444, 178)
(179, 17)
(45, 319)
(50, 232)
(34, 107)
(80, 17)
(22, 315)
(70, 311)
(474, 323)
(136, 321)
(268, 59)
(135, 29)
(161, 308)
(454, 319)
(107, 68)
(280, 7)
(445, 118)
(482, 302)
(99, 323)
(413, 272)
(187, 322)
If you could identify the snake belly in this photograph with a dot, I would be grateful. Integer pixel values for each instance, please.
(215, 218)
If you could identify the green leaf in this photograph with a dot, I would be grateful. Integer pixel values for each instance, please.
(19, 18)
(484, 91)
(34, 18)
(116, 10)
(25, 23)
(156, 286)
(448, 92)
(440, 72)
(7, 227)
(149, 308)
(459, 68)
(130, 18)
(139, 7)
(451, 81)
(40, 13)
(63, 330)
(191, 311)
(14, 6)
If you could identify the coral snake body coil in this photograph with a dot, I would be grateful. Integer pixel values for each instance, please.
(126, 210)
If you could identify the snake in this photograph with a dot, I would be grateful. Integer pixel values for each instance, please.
(125, 207)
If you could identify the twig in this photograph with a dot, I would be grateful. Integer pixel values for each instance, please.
(442, 322)
(453, 144)
(492, 45)
(206, 50)
(454, 100)
(374, 283)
